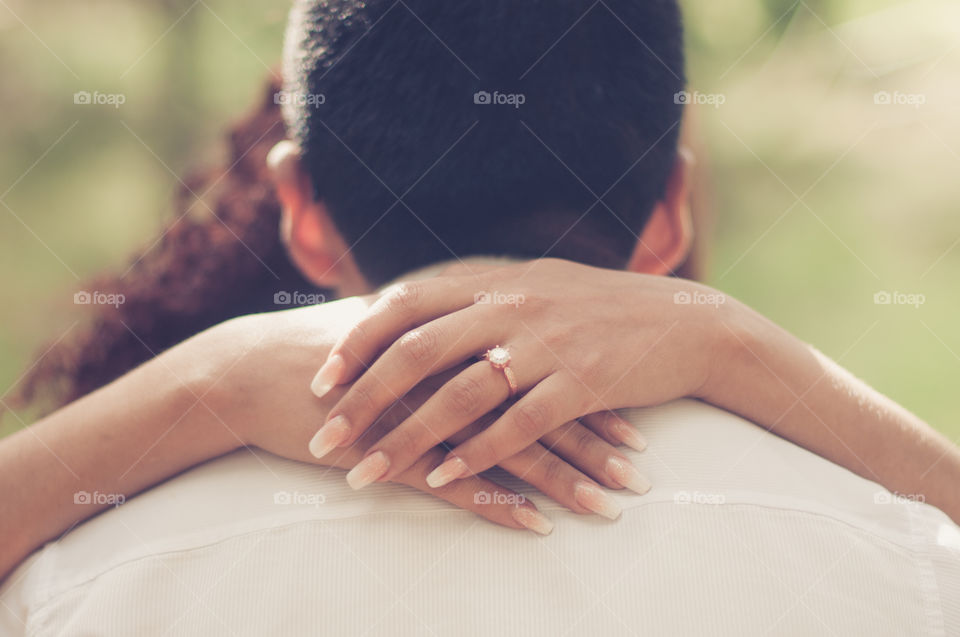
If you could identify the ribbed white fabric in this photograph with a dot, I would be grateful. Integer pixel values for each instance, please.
(743, 534)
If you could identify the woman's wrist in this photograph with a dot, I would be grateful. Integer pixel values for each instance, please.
(223, 377)
(723, 331)
(749, 358)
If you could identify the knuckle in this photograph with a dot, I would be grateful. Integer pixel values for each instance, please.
(418, 345)
(356, 336)
(553, 469)
(464, 395)
(404, 297)
(556, 339)
(582, 441)
(360, 400)
(532, 418)
(591, 363)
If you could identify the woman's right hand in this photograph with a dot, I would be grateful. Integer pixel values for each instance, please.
(571, 340)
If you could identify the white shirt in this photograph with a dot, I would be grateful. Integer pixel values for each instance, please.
(743, 533)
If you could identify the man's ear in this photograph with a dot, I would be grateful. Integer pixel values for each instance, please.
(668, 235)
(306, 229)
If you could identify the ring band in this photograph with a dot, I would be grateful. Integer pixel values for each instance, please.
(499, 357)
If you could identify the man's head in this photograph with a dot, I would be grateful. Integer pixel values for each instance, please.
(426, 130)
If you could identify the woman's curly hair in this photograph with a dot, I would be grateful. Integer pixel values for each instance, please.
(208, 266)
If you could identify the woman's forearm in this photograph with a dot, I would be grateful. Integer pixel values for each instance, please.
(139, 430)
(765, 374)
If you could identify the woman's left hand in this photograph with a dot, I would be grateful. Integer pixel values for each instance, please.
(580, 339)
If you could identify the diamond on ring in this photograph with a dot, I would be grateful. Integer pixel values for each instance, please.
(499, 356)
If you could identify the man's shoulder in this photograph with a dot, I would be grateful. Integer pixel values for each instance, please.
(701, 453)
(760, 515)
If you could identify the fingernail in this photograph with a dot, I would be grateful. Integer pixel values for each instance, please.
(626, 475)
(626, 433)
(328, 376)
(368, 470)
(532, 519)
(330, 436)
(596, 499)
(447, 472)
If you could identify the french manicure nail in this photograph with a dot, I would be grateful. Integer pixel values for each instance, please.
(626, 475)
(447, 472)
(626, 433)
(596, 499)
(532, 519)
(330, 436)
(328, 376)
(368, 470)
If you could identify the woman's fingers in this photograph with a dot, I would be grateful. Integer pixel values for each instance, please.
(420, 353)
(399, 309)
(591, 454)
(484, 497)
(458, 403)
(560, 481)
(550, 404)
(477, 494)
(567, 482)
(615, 429)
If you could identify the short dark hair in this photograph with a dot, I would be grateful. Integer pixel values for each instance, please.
(420, 99)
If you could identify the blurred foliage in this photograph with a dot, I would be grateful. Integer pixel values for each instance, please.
(821, 197)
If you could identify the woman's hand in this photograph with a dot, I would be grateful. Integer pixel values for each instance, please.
(581, 340)
(584, 339)
(261, 353)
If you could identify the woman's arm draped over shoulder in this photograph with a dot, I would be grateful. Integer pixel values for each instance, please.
(767, 375)
(588, 339)
(145, 427)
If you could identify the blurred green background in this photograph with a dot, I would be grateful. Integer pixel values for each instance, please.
(821, 193)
